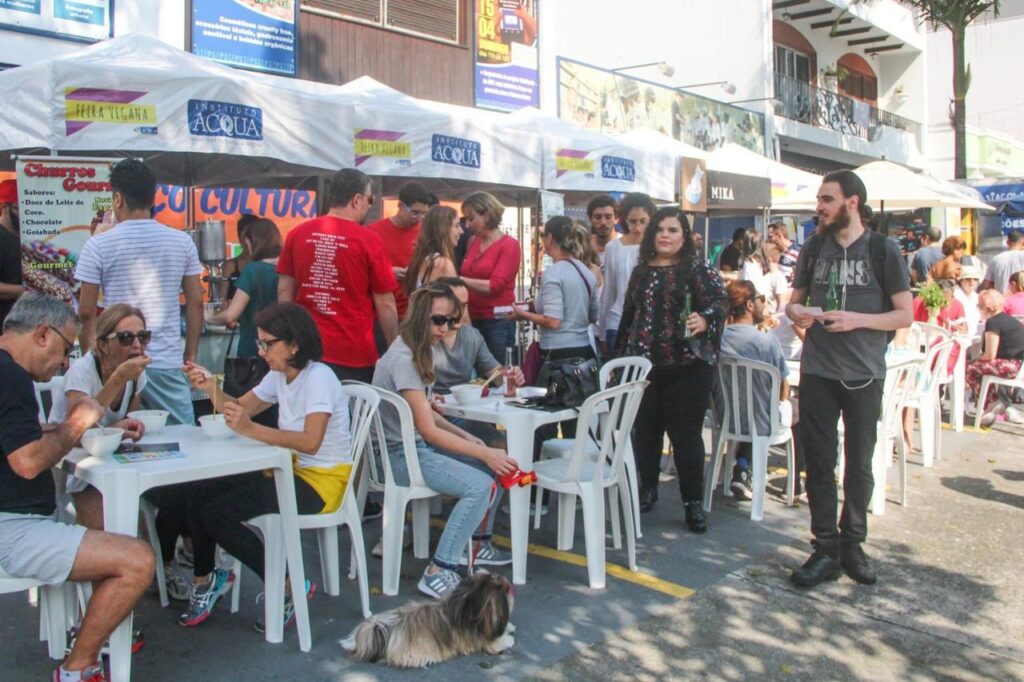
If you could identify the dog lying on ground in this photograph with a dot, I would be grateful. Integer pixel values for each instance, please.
(474, 618)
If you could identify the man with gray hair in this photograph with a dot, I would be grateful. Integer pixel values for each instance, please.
(38, 335)
(928, 255)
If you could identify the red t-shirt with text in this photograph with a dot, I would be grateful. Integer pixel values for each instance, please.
(338, 265)
(399, 243)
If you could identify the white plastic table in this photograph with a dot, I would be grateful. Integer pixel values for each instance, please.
(122, 484)
(520, 424)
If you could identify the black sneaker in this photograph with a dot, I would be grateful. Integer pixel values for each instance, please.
(740, 485)
(372, 510)
(821, 566)
(856, 565)
(648, 496)
(696, 519)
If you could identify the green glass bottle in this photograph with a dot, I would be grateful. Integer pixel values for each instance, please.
(687, 309)
(832, 297)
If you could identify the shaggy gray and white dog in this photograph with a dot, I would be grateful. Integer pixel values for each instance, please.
(474, 618)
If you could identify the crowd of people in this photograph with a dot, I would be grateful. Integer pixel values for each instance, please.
(412, 306)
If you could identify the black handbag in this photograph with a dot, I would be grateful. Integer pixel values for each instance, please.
(241, 375)
(569, 381)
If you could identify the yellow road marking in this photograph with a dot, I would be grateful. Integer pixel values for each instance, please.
(614, 570)
(967, 428)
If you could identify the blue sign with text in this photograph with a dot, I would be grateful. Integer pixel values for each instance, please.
(208, 118)
(251, 34)
(455, 151)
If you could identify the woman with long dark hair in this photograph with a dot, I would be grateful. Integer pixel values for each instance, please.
(673, 315)
(452, 461)
(434, 256)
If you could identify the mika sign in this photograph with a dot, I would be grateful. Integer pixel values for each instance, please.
(455, 151)
(207, 118)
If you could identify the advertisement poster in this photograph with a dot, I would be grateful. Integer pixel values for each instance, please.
(85, 20)
(286, 208)
(506, 60)
(62, 201)
(259, 35)
(693, 191)
(597, 99)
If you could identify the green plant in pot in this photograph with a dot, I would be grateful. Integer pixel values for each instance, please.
(934, 299)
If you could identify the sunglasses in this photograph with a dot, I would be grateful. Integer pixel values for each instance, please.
(68, 345)
(441, 320)
(127, 338)
(265, 344)
(369, 198)
(414, 214)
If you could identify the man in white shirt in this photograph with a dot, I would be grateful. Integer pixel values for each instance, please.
(1005, 264)
(601, 213)
(146, 264)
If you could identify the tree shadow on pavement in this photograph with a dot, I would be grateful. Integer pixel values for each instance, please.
(982, 488)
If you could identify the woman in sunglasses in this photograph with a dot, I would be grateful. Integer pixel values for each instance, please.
(313, 422)
(113, 373)
(452, 461)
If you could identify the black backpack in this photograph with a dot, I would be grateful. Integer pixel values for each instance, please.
(876, 256)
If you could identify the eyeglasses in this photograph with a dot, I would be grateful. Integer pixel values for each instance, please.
(442, 320)
(127, 338)
(265, 344)
(414, 214)
(369, 198)
(68, 345)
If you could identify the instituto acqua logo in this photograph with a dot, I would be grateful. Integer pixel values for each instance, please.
(387, 144)
(455, 151)
(573, 161)
(207, 118)
(618, 168)
(85, 106)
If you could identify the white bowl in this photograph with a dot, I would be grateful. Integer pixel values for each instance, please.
(531, 392)
(467, 393)
(153, 420)
(214, 426)
(99, 442)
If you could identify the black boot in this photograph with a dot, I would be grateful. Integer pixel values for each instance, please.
(696, 519)
(856, 565)
(648, 496)
(821, 566)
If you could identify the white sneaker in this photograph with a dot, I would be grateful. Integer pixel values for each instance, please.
(1014, 416)
(378, 549)
(178, 582)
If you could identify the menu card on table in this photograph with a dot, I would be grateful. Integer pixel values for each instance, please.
(147, 452)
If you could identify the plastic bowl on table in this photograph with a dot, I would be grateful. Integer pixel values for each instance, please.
(153, 420)
(102, 441)
(214, 426)
(467, 393)
(531, 392)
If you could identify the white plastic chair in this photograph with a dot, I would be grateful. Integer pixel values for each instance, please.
(737, 377)
(899, 382)
(923, 396)
(398, 497)
(581, 475)
(624, 370)
(43, 387)
(52, 614)
(363, 410)
(990, 381)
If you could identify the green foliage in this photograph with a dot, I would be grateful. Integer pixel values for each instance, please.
(932, 296)
(953, 14)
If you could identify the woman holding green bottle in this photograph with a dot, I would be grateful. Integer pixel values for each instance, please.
(673, 315)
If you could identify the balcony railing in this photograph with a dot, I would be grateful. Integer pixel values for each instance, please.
(823, 108)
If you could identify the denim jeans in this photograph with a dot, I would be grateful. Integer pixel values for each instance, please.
(498, 335)
(860, 407)
(168, 389)
(466, 478)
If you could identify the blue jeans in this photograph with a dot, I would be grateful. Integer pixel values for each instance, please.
(610, 337)
(168, 389)
(466, 478)
(498, 335)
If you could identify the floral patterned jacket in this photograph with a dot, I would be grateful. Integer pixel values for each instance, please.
(652, 315)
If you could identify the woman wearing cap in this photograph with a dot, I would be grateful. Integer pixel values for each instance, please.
(966, 293)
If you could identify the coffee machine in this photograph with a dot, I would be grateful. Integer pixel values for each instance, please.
(211, 243)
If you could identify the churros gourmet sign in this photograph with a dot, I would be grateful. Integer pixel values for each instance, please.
(87, 106)
(62, 201)
(382, 144)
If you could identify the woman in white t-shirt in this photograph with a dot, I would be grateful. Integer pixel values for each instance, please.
(313, 423)
(113, 373)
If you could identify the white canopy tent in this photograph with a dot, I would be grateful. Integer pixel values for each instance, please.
(792, 188)
(575, 159)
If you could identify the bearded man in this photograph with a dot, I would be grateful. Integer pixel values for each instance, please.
(858, 289)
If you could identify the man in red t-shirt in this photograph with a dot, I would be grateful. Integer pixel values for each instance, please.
(399, 232)
(338, 270)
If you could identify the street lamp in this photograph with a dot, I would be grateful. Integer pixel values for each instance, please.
(729, 88)
(665, 68)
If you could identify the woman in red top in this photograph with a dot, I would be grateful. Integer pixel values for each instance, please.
(489, 270)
